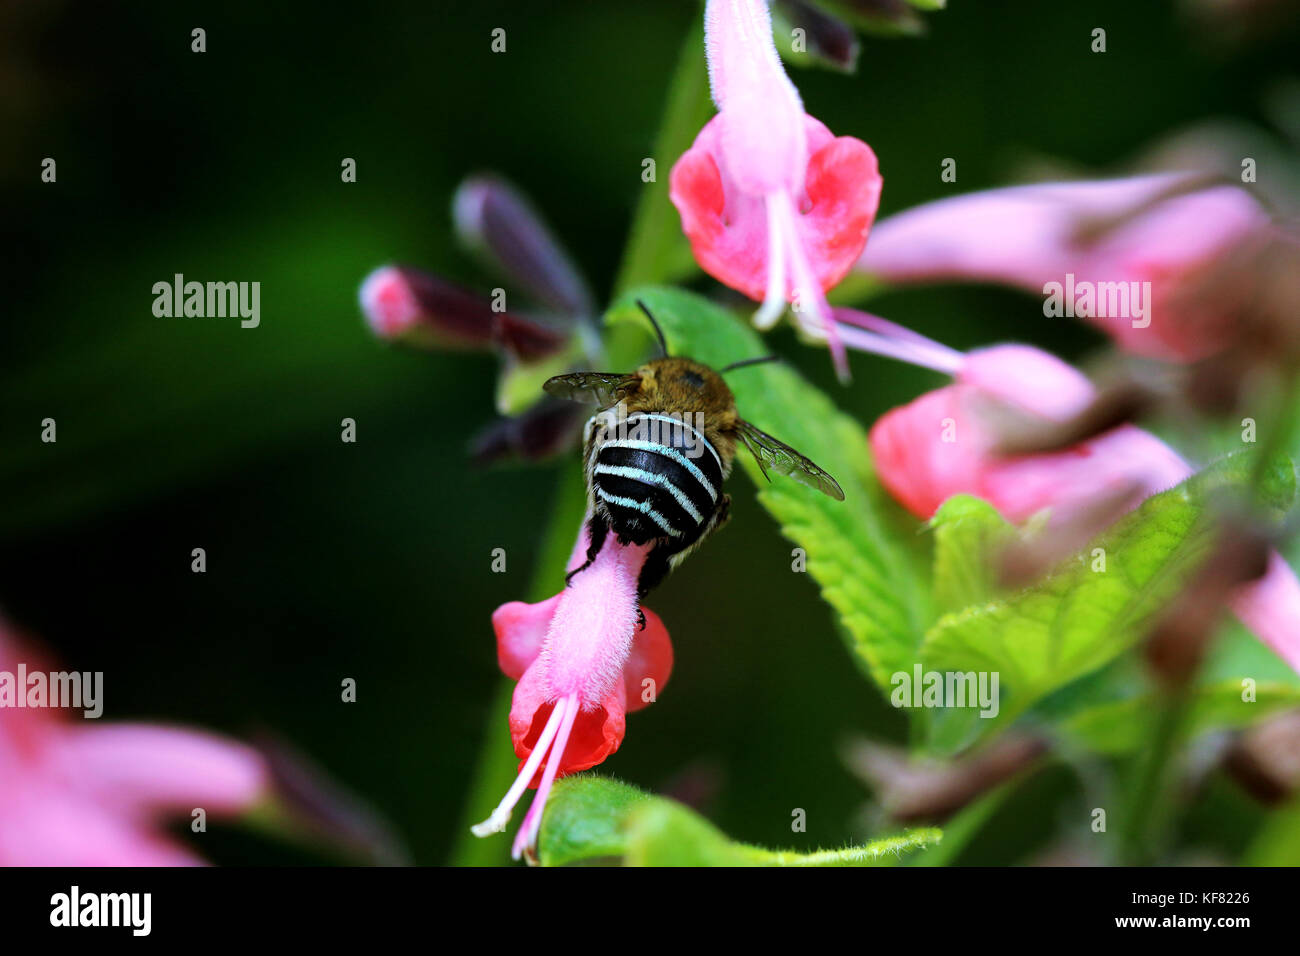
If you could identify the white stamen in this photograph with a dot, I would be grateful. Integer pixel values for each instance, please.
(774, 304)
(813, 314)
(526, 838)
(917, 349)
(939, 359)
(497, 821)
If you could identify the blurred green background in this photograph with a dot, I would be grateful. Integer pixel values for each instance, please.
(372, 561)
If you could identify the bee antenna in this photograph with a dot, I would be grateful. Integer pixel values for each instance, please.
(663, 344)
(751, 361)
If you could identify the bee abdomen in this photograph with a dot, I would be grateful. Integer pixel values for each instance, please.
(658, 482)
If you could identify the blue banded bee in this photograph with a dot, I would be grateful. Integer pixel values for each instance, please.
(658, 450)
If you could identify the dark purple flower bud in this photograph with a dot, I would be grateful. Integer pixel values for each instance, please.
(406, 304)
(527, 339)
(550, 427)
(494, 219)
(827, 39)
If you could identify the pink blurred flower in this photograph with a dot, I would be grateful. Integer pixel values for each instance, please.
(1164, 229)
(773, 204)
(582, 664)
(81, 793)
(406, 304)
(943, 444)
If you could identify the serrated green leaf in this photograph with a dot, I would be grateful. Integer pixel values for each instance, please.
(595, 819)
(585, 819)
(1077, 619)
(968, 532)
(1116, 727)
(864, 573)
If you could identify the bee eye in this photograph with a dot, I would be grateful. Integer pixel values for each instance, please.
(693, 379)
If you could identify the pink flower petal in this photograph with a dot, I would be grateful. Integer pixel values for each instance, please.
(760, 114)
(651, 658)
(1028, 378)
(1118, 230)
(164, 768)
(938, 446)
(521, 628)
(1270, 607)
(728, 227)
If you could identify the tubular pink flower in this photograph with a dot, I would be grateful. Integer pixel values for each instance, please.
(402, 303)
(85, 794)
(582, 664)
(1140, 229)
(942, 444)
(773, 204)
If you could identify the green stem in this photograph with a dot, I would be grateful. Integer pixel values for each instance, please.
(656, 249)
(1149, 815)
(498, 765)
(651, 256)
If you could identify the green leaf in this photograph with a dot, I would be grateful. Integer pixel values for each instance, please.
(1278, 841)
(864, 573)
(585, 819)
(595, 819)
(1077, 619)
(1116, 727)
(968, 532)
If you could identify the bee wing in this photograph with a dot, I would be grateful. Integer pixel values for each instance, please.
(784, 460)
(601, 388)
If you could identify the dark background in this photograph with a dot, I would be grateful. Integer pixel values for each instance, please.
(328, 560)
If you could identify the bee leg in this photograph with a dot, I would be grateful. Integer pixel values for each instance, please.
(640, 618)
(656, 568)
(596, 531)
(722, 515)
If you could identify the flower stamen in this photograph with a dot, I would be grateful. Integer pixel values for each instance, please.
(882, 337)
(526, 838)
(774, 302)
(500, 817)
(812, 312)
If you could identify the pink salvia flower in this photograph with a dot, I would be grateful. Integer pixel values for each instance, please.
(81, 793)
(582, 663)
(773, 204)
(943, 444)
(1160, 229)
(406, 304)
